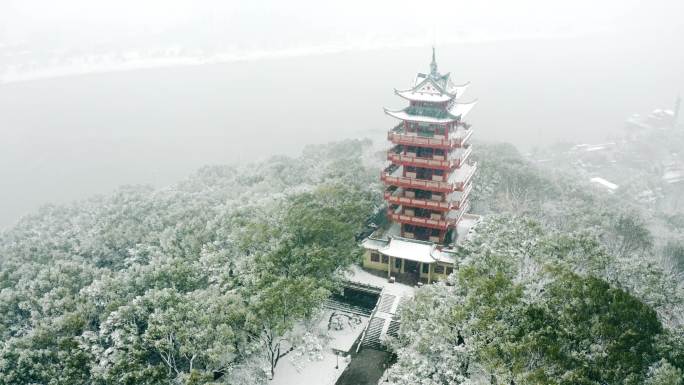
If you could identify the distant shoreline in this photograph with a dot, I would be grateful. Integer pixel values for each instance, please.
(99, 64)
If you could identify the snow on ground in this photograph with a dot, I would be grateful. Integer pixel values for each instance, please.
(358, 275)
(318, 372)
(349, 328)
(318, 364)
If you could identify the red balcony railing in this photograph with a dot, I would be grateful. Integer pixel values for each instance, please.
(414, 140)
(453, 161)
(429, 185)
(422, 203)
(441, 224)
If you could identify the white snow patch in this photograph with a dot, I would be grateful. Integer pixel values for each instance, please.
(611, 187)
(325, 371)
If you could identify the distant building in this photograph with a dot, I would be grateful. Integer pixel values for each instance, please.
(658, 118)
(674, 172)
(428, 181)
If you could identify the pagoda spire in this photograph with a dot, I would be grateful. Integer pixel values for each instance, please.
(433, 65)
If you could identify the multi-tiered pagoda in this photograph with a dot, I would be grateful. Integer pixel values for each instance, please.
(428, 178)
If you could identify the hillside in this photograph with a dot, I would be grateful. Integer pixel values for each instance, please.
(202, 282)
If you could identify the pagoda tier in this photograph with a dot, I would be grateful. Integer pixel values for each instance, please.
(452, 112)
(432, 201)
(435, 221)
(429, 175)
(413, 156)
(417, 96)
(453, 138)
(434, 180)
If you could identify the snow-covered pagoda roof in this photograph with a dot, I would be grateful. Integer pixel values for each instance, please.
(433, 88)
(387, 240)
(456, 111)
(410, 249)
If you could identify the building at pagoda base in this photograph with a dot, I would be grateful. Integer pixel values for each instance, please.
(428, 181)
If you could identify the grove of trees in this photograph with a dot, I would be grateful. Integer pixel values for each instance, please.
(196, 283)
(204, 282)
(558, 285)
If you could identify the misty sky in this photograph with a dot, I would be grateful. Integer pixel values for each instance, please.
(544, 71)
(276, 24)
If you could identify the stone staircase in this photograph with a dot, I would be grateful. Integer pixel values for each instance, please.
(384, 321)
(371, 339)
(393, 328)
(386, 302)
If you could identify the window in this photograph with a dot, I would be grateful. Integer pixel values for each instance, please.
(397, 263)
(449, 270)
(375, 257)
(385, 259)
(426, 268)
(439, 269)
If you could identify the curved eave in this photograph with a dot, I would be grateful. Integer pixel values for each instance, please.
(460, 110)
(428, 79)
(458, 89)
(403, 115)
(423, 96)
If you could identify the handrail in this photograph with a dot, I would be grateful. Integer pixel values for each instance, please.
(370, 318)
(426, 203)
(414, 139)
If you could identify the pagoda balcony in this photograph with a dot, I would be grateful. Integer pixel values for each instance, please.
(462, 176)
(456, 139)
(453, 201)
(441, 224)
(457, 181)
(399, 198)
(456, 159)
(456, 216)
(460, 197)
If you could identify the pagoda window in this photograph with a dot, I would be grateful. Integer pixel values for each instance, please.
(422, 194)
(422, 173)
(422, 213)
(439, 269)
(426, 131)
(375, 257)
(422, 233)
(397, 263)
(385, 259)
(426, 268)
(424, 152)
(435, 233)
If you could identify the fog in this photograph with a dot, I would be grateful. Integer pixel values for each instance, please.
(272, 77)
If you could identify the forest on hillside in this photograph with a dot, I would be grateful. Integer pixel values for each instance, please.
(203, 282)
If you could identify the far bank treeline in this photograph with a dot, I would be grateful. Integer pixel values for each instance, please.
(200, 283)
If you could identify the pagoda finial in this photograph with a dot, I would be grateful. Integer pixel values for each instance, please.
(433, 64)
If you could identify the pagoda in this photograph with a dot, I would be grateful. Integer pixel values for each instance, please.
(427, 180)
